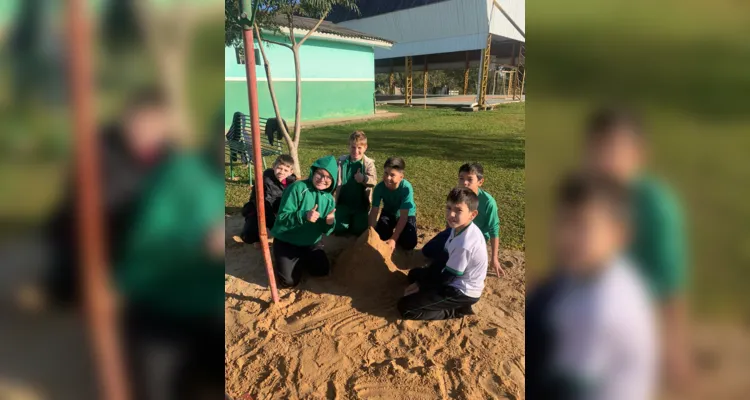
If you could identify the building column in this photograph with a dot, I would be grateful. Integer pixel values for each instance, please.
(466, 75)
(408, 86)
(390, 83)
(425, 81)
(483, 73)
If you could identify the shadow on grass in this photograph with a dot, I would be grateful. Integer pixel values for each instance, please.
(503, 151)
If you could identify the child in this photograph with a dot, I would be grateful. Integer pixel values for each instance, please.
(275, 180)
(447, 290)
(472, 176)
(307, 213)
(615, 145)
(357, 177)
(590, 329)
(398, 221)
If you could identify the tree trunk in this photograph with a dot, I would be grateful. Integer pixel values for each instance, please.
(169, 44)
(293, 151)
(269, 81)
(298, 104)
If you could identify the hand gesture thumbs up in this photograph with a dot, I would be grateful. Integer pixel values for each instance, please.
(313, 214)
(359, 177)
(330, 218)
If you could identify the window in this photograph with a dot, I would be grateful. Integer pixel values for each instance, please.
(240, 54)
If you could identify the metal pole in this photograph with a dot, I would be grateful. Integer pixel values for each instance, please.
(99, 302)
(425, 81)
(518, 28)
(252, 93)
(409, 87)
(466, 75)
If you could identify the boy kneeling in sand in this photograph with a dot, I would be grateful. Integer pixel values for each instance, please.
(307, 212)
(445, 290)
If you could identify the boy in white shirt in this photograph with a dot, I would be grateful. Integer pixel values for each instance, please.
(590, 331)
(445, 290)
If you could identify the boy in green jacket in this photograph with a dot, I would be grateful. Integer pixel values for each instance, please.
(307, 212)
(357, 177)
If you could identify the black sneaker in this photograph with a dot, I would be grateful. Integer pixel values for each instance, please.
(463, 311)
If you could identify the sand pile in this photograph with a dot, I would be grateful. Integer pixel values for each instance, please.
(366, 267)
(340, 337)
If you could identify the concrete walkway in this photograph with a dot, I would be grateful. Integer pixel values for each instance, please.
(379, 114)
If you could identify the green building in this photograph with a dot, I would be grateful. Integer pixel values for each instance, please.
(337, 68)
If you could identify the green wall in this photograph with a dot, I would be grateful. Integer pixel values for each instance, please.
(320, 99)
(338, 80)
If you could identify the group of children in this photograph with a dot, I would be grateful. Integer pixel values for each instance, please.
(612, 313)
(342, 197)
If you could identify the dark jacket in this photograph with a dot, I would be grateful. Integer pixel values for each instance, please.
(272, 191)
(121, 178)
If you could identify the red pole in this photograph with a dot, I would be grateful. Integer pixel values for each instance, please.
(99, 302)
(252, 93)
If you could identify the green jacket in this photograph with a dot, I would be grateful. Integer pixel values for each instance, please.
(166, 265)
(291, 224)
(659, 247)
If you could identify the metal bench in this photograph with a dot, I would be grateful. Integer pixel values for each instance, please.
(239, 144)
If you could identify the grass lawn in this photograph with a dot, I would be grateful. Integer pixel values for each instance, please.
(434, 143)
(643, 53)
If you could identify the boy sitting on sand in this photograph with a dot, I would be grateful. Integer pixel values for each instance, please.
(447, 289)
(307, 212)
(472, 176)
(398, 221)
(275, 180)
(357, 177)
(590, 329)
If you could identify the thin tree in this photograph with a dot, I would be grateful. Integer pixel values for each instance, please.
(278, 16)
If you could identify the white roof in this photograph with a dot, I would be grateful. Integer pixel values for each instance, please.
(447, 26)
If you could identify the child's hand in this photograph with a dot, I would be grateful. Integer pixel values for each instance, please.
(313, 214)
(215, 241)
(391, 243)
(330, 218)
(498, 268)
(359, 177)
(411, 289)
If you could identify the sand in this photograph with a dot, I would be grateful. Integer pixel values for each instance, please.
(340, 337)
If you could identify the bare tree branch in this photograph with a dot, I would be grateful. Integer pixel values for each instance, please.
(271, 91)
(291, 30)
(288, 46)
(320, 21)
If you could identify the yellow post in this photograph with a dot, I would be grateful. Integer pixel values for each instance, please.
(485, 72)
(425, 82)
(409, 87)
(390, 83)
(466, 75)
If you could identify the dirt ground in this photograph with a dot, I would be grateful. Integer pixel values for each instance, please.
(339, 337)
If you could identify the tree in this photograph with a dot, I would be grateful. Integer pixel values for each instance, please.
(167, 29)
(279, 16)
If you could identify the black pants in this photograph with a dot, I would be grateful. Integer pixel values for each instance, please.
(387, 224)
(291, 261)
(433, 301)
(250, 232)
(173, 357)
(435, 248)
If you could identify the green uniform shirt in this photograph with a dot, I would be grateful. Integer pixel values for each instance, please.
(166, 265)
(352, 195)
(394, 200)
(291, 224)
(487, 219)
(659, 247)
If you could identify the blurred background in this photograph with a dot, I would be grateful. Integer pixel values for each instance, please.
(683, 66)
(157, 73)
